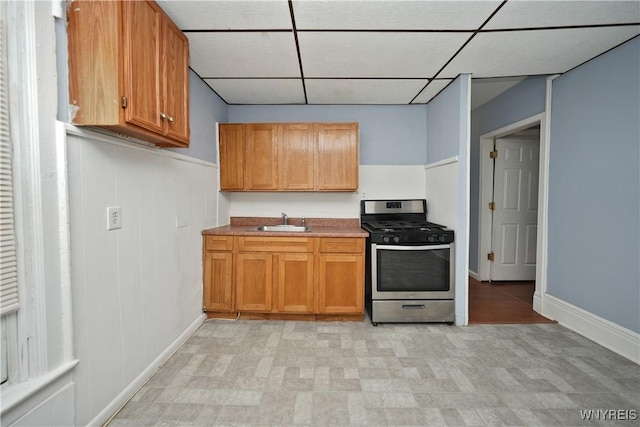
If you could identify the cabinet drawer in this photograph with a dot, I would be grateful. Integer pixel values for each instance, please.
(275, 244)
(218, 243)
(341, 245)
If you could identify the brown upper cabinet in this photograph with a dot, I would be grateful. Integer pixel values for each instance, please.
(128, 70)
(289, 157)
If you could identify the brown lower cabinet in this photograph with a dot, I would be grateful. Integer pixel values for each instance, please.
(284, 275)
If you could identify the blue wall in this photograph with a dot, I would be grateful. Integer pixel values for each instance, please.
(524, 100)
(444, 120)
(594, 187)
(389, 134)
(205, 109)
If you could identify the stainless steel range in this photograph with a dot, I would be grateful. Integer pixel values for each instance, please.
(409, 263)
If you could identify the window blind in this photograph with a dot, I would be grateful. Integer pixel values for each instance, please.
(8, 265)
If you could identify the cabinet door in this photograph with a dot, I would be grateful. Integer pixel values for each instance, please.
(294, 283)
(340, 283)
(232, 150)
(296, 155)
(143, 35)
(338, 156)
(218, 281)
(261, 153)
(175, 112)
(254, 285)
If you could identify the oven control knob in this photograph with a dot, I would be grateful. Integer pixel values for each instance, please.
(396, 239)
(385, 239)
(431, 238)
(443, 238)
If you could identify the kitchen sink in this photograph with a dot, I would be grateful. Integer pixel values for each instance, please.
(283, 228)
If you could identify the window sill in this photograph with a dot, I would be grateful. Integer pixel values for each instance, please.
(14, 394)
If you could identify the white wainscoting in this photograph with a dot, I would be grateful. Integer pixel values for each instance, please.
(376, 182)
(441, 191)
(137, 291)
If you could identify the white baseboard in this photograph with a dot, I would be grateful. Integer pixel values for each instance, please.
(616, 338)
(112, 408)
(474, 275)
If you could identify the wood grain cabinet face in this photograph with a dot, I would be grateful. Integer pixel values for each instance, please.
(284, 275)
(337, 157)
(254, 285)
(232, 152)
(261, 158)
(218, 273)
(290, 157)
(295, 286)
(341, 276)
(275, 274)
(128, 70)
(296, 152)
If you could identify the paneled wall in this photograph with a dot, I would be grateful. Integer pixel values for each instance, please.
(376, 182)
(136, 291)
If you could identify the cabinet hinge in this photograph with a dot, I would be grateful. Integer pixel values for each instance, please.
(490, 256)
(493, 154)
(492, 206)
(123, 102)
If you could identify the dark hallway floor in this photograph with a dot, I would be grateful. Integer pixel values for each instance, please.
(502, 302)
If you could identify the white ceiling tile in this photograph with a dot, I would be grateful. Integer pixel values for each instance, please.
(412, 55)
(369, 91)
(484, 90)
(530, 14)
(519, 53)
(259, 91)
(434, 88)
(392, 14)
(224, 14)
(255, 54)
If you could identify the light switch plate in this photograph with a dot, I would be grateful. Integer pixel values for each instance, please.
(114, 217)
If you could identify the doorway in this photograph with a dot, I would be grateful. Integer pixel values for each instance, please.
(531, 249)
(514, 207)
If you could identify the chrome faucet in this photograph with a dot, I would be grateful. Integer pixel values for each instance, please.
(285, 219)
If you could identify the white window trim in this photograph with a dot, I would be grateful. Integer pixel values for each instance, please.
(43, 251)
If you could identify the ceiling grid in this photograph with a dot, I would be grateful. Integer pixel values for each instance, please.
(390, 51)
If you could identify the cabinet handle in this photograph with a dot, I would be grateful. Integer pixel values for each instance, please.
(163, 116)
(170, 119)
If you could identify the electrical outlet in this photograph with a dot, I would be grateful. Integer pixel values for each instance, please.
(114, 217)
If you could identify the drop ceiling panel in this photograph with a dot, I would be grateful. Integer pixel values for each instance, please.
(421, 15)
(224, 15)
(259, 91)
(431, 90)
(530, 14)
(519, 53)
(411, 55)
(255, 54)
(369, 91)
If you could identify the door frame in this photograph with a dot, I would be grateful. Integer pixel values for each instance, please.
(486, 192)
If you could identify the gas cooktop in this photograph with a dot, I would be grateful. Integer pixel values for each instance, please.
(403, 225)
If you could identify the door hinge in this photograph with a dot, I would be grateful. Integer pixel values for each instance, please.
(493, 154)
(490, 256)
(123, 102)
(492, 206)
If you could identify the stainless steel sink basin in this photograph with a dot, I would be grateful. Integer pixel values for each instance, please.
(284, 228)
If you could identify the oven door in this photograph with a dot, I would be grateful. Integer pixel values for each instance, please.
(412, 272)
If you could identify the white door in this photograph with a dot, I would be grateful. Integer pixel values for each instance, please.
(515, 194)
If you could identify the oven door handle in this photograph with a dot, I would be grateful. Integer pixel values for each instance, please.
(409, 247)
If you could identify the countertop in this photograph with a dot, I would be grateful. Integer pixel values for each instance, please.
(320, 227)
